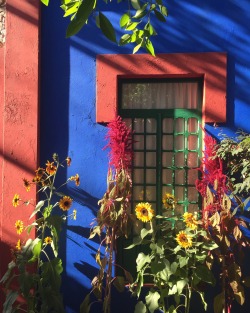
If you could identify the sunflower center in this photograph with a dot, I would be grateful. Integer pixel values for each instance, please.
(144, 212)
(183, 238)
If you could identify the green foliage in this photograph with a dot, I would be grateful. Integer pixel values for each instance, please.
(235, 152)
(175, 266)
(136, 21)
(34, 274)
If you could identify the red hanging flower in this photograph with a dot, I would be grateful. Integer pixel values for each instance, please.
(119, 138)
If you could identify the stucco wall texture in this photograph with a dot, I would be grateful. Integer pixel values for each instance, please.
(19, 115)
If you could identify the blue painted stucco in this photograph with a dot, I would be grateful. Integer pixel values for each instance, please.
(67, 108)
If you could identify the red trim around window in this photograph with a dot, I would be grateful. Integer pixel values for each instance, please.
(210, 65)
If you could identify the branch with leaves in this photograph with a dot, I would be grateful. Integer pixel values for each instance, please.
(136, 21)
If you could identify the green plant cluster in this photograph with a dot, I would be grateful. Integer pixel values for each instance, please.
(235, 152)
(172, 270)
(136, 22)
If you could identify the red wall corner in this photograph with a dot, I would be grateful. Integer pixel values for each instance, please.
(212, 65)
(19, 103)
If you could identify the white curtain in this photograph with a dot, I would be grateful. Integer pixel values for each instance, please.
(160, 95)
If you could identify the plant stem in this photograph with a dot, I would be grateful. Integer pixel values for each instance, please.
(109, 273)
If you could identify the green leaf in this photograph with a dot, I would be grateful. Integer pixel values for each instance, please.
(181, 284)
(173, 267)
(152, 300)
(204, 274)
(125, 39)
(141, 260)
(136, 4)
(37, 249)
(119, 283)
(38, 207)
(140, 307)
(81, 17)
(71, 10)
(136, 48)
(10, 299)
(46, 2)
(159, 16)
(132, 25)
(164, 10)
(183, 261)
(150, 48)
(11, 265)
(107, 28)
(210, 246)
(141, 12)
(136, 241)
(219, 303)
(145, 232)
(124, 20)
(85, 306)
(51, 271)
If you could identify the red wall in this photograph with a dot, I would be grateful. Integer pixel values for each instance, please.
(19, 117)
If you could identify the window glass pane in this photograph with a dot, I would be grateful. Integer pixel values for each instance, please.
(167, 176)
(160, 94)
(167, 159)
(192, 142)
(139, 125)
(150, 159)
(180, 125)
(151, 142)
(167, 142)
(192, 159)
(138, 176)
(179, 142)
(192, 176)
(151, 125)
(139, 142)
(192, 125)
(150, 176)
(168, 125)
(179, 159)
(138, 159)
(180, 177)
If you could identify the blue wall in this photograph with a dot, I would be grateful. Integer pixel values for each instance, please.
(68, 127)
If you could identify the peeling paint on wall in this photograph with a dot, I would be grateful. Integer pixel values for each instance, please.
(2, 22)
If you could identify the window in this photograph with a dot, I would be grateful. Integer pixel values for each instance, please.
(164, 115)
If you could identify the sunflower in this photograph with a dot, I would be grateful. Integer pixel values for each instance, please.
(26, 184)
(169, 201)
(19, 227)
(190, 220)
(144, 212)
(184, 240)
(39, 174)
(68, 160)
(18, 245)
(15, 200)
(65, 203)
(48, 240)
(50, 168)
(75, 178)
